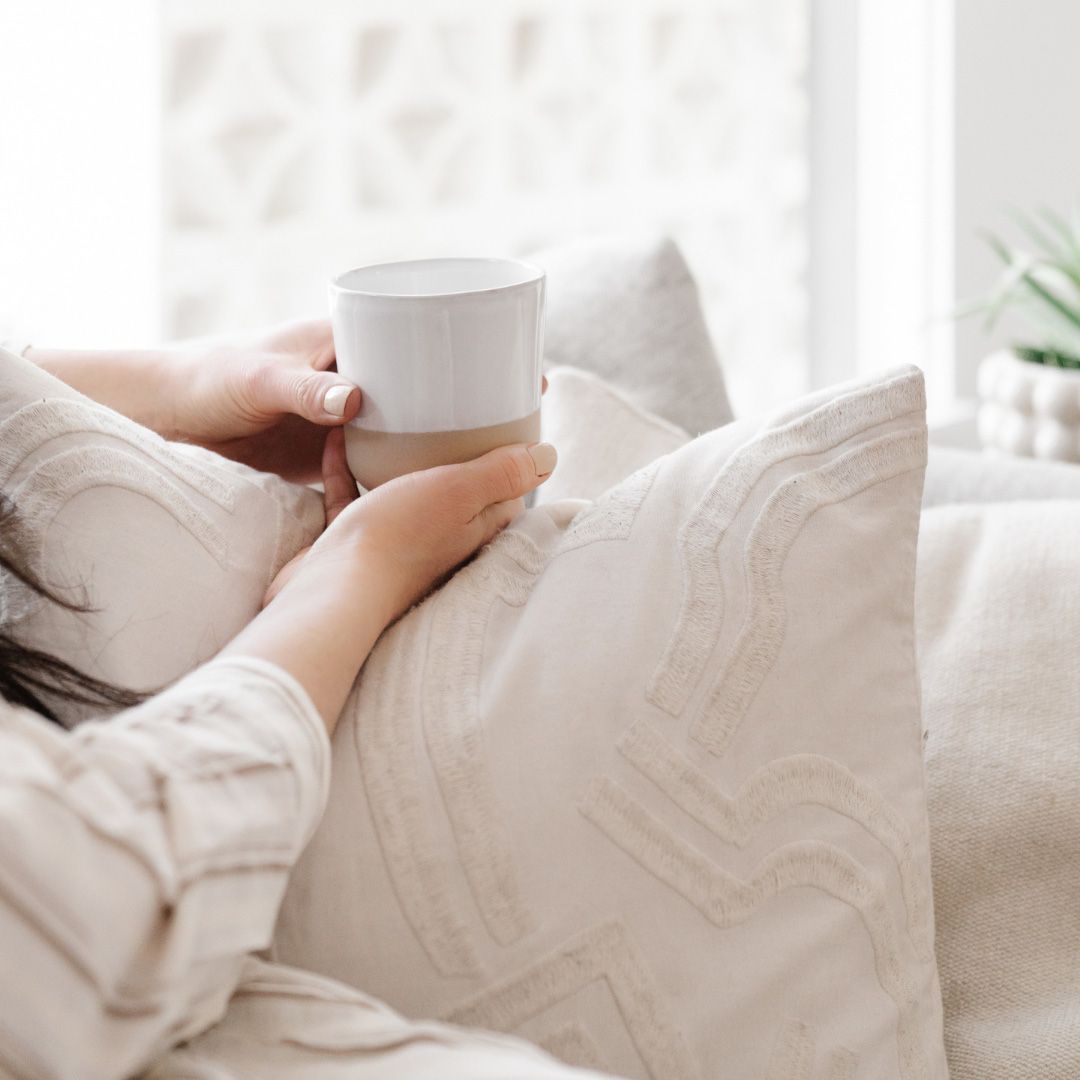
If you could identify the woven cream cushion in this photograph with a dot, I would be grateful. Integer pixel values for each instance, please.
(643, 783)
(999, 614)
(171, 545)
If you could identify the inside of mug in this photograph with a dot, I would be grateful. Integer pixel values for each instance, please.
(437, 277)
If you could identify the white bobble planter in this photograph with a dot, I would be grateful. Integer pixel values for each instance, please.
(1029, 410)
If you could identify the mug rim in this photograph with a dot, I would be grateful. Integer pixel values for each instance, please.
(537, 274)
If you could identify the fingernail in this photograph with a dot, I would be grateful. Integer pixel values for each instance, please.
(544, 456)
(335, 399)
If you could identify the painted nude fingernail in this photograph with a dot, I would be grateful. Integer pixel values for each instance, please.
(544, 456)
(335, 400)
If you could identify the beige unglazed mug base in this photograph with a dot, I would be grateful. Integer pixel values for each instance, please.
(377, 456)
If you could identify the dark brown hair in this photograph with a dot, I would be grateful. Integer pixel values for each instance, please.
(29, 676)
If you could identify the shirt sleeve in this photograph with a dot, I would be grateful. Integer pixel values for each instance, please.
(141, 858)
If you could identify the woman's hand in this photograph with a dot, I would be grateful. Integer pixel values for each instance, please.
(264, 401)
(379, 555)
(420, 526)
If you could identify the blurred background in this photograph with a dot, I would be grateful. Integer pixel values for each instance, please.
(176, 168)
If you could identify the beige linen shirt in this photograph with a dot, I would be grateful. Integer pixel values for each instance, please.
(141, 859)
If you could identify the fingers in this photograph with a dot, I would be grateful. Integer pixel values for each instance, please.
(508, 473)
(339, 487)
(323, 397)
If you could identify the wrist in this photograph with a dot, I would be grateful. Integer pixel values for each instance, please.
(349, 585)
(144, 385)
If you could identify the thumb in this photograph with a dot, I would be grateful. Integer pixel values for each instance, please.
(323, 397)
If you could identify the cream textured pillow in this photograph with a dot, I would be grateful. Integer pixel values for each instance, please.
(627, 309)
(998, 619)
(643, 783)
(602, 436)
(172, 544)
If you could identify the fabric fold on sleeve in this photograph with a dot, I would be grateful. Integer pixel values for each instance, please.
(142, 857)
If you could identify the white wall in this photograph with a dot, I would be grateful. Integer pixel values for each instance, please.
(79, 175)
(1017, 83)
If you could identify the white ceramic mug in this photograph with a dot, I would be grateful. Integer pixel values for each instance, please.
(448, 354)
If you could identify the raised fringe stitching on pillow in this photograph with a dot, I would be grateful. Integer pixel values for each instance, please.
(39, 422)
(726, 900)
(572, 1044)
(843, 1064)
(775, 787)
(612, 516)
(767, 547)
(793, 1053)
(796, 1049)
(58, 479)
(603, 952)
(701, 611)
(388, 749)
(455, 738)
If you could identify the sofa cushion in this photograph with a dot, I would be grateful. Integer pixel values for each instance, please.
(627, 309)
(998, 614)
(172, 546)
(601, 434)
(643, 782)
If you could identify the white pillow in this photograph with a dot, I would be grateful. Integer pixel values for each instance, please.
(627, 309)
(601, 435)
(643, 783)
(173, 545)
(998, 618)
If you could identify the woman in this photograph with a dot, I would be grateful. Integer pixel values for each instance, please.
(143, 859)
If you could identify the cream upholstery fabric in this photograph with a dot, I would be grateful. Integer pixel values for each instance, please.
(643, 783)
(627, 309)
(968, 476)
(602, 436)
(173, 545)
(998, 619)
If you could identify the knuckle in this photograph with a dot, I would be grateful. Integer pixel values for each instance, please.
(511, 478)
(309, 393)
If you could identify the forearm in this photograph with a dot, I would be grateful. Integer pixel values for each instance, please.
(137, 383)
(321, 627)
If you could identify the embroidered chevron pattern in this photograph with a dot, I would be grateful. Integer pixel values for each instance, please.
(455, 738)
(794, 1053)
(60, 478)
(770, 540)
(402, 809)
(604, 952)
(778, 786)
(39, 422)
(612, 516)
(726, 900)
(572, 1044)
(701, 612)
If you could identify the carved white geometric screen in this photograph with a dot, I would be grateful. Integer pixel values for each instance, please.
(306, 136)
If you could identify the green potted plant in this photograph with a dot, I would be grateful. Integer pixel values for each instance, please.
(1030, 393)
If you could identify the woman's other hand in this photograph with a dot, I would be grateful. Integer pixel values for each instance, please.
(264, 401)
(380, 554)
(417, 528)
